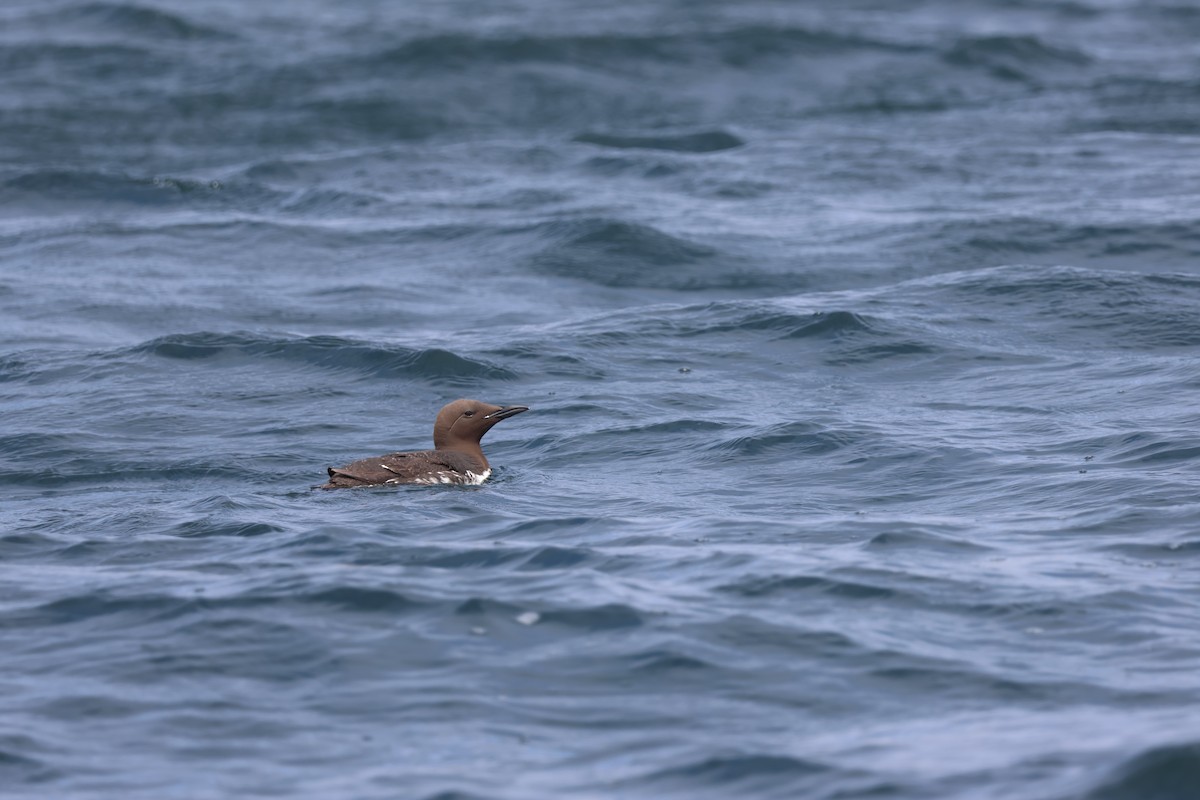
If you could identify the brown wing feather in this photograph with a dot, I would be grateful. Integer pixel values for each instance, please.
(400, 468)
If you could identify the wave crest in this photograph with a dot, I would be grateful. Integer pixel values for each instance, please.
(328, 352)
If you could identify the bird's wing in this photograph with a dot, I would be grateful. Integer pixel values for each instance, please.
(399, 468)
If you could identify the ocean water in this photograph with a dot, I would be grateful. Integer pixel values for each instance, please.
(861, 341)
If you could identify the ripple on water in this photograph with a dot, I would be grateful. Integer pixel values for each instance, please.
(698, 142)
(741, 774)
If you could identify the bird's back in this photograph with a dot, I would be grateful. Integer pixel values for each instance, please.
(420, 467)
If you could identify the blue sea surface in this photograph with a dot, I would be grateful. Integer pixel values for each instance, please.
(862, 347)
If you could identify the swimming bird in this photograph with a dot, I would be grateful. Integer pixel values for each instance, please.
(456, 457)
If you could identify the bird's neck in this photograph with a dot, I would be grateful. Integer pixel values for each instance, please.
(468, 448)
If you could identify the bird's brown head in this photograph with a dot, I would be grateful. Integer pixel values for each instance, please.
(461, 424)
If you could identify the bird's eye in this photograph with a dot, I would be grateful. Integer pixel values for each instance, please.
(468, 413)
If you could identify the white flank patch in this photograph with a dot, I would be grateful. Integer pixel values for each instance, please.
(476, 478)
(469, 478)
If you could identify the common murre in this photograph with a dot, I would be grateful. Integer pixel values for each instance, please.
(456, 457)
